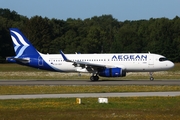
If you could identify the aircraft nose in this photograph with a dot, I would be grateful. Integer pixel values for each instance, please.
(171, 65)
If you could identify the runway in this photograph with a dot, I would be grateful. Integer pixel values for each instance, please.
(84, 95)
(88, 82)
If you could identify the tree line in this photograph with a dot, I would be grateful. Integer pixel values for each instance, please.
(99, 34)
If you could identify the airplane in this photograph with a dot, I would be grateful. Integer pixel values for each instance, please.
(104, 65)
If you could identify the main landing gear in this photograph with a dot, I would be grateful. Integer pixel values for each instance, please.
(94, 77)
(151, 76)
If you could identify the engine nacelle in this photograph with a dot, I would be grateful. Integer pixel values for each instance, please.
(112, 72)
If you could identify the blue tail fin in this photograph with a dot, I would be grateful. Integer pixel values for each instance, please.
(22, 46)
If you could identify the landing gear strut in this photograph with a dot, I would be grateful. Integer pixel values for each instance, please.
(94, 78)
(151, 76)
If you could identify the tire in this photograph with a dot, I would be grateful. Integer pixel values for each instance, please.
(92, 78)
(151, 78)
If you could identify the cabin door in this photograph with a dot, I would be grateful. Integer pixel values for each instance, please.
(151, 60)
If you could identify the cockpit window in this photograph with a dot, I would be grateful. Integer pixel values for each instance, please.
(162, 59)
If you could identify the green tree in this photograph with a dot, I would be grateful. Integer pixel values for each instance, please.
(38, 32)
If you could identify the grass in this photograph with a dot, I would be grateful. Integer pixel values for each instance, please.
(140, 108)
(13, 90)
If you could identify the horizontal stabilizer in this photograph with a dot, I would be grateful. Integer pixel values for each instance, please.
(14, 60)
(10, 59)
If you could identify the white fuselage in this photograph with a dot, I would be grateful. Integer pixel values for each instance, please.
(130, 62)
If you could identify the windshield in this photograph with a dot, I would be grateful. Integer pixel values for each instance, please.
(162, 59)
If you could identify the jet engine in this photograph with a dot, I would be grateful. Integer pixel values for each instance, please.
(112, 72)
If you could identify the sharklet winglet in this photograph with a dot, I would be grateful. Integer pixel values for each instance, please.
(65, 58)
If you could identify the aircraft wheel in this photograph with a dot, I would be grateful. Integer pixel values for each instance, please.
(151, 78)
(94, 78)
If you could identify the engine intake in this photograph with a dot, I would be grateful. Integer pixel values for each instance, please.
(112, 72)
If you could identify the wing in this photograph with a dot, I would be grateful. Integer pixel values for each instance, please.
(91, 67)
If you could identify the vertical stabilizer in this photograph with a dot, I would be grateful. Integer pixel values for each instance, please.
(22, 46)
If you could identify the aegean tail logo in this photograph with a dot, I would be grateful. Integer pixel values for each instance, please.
(19, 43)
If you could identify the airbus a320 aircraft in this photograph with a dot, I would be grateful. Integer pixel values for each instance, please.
(105, 65)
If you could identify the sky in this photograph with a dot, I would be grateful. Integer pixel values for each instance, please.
(120, 9)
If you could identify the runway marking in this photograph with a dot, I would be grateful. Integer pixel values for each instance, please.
(84, 95)
(87, 82)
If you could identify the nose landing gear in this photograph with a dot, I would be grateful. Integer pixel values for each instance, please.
(151, 76)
